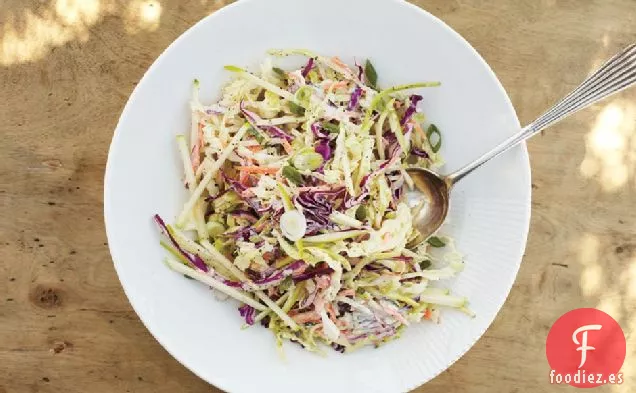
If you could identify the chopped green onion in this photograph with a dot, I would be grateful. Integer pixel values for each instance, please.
(370, 74)
(313, 77)
(285, 285)
(433, 130)
(425, 264)
(293, 225)
(232, 68)
(215, 228)
(280, 72)
(303, 95)
(435, 241)
(257, 135)
(307, 159)
(330, 127)
(292, 175)
(296, 109)
(362, 213)
(226, 202)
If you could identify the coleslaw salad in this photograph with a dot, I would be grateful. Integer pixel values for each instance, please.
(297, 206)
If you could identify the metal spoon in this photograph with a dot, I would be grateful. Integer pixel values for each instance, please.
(617, 74)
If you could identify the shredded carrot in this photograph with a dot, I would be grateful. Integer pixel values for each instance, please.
(244, 178)
(305, 317)
(335, 85)
(288, 148)
(339, 62)
(427, 314)
(258, 169)
(255, 148)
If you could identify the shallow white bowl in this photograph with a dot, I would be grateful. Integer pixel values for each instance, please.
(489, 216)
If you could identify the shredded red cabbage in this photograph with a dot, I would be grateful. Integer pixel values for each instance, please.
(239, 189)
(253, 118)
(194, 259)
(390, 142)
(211, 198)
(395, 155)
(415, 98)
(316, 209)
(244, 214)
(358, 337)
(396, 184)
(234, 184)
(364, 183)
(360, 71)
(247, 312)
(419, 152)
(355, 97)
(241, 233)
(354, 201)
(279, 133)
(316, 130)
(403, 258)
(324, 149)
(312, 273)
(230, 283)
(308, 67)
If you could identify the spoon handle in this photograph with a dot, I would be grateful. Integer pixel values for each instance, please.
(615, 75)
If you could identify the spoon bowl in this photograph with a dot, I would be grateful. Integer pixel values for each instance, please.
(433, 201)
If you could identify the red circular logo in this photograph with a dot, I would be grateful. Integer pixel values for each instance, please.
(586, 348)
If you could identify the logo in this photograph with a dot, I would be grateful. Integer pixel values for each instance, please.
(586, 348)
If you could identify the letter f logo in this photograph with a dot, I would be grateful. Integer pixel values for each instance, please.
(584, 347)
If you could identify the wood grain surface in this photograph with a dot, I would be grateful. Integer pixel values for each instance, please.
(66, 70)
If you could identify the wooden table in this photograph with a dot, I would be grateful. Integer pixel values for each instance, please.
(66, 70)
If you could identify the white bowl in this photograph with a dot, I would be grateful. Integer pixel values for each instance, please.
(489, 216)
